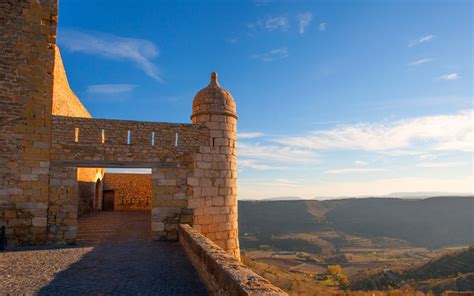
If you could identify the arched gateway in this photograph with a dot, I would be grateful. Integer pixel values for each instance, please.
(194, 167)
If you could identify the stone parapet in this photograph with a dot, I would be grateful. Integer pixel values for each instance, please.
(222, 273)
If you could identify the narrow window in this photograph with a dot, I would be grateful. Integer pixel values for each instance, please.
(176, 139)
(76, 135)
(128, 137)
(213, 142)
(103, 136)
(153, 138)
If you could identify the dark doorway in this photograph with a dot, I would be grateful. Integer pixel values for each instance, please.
(108, 200)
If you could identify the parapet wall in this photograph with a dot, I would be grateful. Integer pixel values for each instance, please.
(109, 140)
(221, 273)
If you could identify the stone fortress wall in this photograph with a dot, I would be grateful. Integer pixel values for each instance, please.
(27, 44)
(131, 191)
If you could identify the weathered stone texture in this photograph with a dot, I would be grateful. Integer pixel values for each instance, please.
(131, 191)
(27, 41)
(221, 273)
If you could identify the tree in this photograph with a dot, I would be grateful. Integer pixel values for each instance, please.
(334, 269)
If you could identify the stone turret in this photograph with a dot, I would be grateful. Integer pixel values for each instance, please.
(215, 175)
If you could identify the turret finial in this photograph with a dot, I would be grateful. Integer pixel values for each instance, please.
(214, 80)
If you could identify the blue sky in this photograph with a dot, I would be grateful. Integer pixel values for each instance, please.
(334, 98)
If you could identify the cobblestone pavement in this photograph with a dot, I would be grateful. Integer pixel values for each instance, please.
(114, 256)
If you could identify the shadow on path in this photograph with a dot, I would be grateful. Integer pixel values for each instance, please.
(126, 268)
(124, 261)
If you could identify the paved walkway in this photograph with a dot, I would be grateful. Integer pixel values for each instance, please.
(114, 256)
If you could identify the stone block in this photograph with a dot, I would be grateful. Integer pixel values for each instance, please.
(40, 221)
(157, 226)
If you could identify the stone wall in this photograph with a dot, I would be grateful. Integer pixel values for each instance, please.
(107, 140)
(66, 103)
(221, 273)
(131, 191)
(27, 42)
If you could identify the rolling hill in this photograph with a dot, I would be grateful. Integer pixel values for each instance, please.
(430, 223)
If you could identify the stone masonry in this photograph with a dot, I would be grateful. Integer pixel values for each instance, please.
(131, 191)
(27, 43)
(49, 144)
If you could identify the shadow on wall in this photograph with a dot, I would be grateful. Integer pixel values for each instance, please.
(129, 267)
(86, 197)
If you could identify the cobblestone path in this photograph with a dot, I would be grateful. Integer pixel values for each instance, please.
(114, 256)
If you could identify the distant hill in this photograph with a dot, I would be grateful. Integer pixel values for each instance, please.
(284, 198)
(430, 223)
(454, 271)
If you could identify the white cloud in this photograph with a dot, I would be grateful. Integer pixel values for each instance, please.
(360, 162)
(249, 135)
(323, 27)
(304, 19)
(353, 170)
(286, 182)
(138, 51)
(110, 88)
(443, 132)
(256, 165)
(275, 153)
(272, 55)
(421, 39)
(440, 164)
(427, 157)
(262, 2)
(274, 23)
(450, 76)
(419, 62)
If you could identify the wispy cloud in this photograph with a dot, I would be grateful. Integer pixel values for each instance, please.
(421, 39)
(286, 182)
(262, 2)
(249, 135)
(360, 163)
(323, 27)
(272, 55)
(274, 23)
(275, 153)
(440, 164)
(353, 170)
(233, 40)
(304, 19)
(453, 132)
(138, 51)
(450, 76)
(419, 62)
(257, 165)
(110, 88)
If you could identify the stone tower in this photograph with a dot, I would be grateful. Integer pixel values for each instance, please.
(214, 198)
